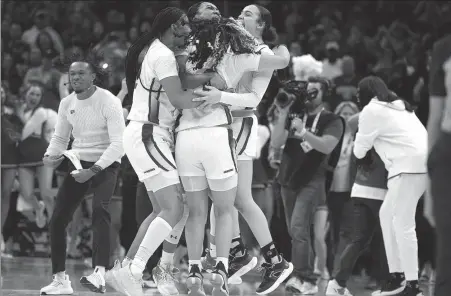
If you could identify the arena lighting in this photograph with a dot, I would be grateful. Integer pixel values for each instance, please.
(105, 65)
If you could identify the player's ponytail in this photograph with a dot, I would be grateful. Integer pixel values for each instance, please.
(269, 34)
(162, 22)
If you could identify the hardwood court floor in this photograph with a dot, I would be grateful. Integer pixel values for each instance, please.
(26, 276)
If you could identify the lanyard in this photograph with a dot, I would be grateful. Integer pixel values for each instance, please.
(315, 121)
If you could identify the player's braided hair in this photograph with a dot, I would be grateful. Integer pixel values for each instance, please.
(163, 21)
(214, 38)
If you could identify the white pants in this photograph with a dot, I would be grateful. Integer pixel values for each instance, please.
(397, 218)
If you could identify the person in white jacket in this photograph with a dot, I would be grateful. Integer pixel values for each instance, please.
(389, 124)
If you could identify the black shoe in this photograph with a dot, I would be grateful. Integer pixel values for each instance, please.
(195, 282)
(274, 275)
(412, 289)
(219, 280)
(240, 265)
(394, 285)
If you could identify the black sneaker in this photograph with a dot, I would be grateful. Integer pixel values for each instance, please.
(274, 275)
(194, 282)
(394, 285)
(412, 289)
(239, 265)
(219, 280)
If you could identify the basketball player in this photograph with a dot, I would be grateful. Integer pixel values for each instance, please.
(204, 166)
(157, 97)
(94, 117)
(256, 20)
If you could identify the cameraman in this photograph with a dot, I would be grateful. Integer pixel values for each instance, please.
(303, 137)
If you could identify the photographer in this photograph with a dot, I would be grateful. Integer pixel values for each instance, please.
(303, 138)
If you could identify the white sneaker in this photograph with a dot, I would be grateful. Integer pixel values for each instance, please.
(334, 289)
(58, 287)
(164, 277)
(294, 285)
(309, 289)
(109, 279)
(128, 284)
(94, 282)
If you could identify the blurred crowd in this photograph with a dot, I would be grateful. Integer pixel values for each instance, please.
(391, 39)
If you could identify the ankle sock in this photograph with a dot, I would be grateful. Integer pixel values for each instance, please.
(270, 253)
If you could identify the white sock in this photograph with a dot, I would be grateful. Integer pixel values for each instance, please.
(100, 270)
(158, 230)
(126, 261)
(167, 258)
(213, 250)
(61, 275)
(224, 261)
(194, 262)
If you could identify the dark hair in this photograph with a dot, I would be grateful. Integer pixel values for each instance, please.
(95, 63)
(213, 38)
(373, 86)
(325, 83)
(269, 34)
(163, 21)
(193, 10)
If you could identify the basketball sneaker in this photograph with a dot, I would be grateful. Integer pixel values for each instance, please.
(219, 281)
(126, 282)
(394, 285)
(109, 279)
(59, 286)
(164, 277)
(194, 282)
(334, 289)
(94, 282)
(208, 263)
(240, 265)
(274, 274)
(412, 289)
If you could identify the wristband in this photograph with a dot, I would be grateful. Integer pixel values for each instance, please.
(96, 169)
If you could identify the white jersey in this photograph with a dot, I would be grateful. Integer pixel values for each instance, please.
(231, 68)
(150, 102)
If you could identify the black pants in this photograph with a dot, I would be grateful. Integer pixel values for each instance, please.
(335, 203)
(439, 164)
(70, 195)
(129, 226)
(360, 221)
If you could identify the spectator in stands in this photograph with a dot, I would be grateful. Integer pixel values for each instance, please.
(45, 44)
(346, 84)
(332, 64)
(11, 127)
(41, 23)
(39, 124)
(49, 77)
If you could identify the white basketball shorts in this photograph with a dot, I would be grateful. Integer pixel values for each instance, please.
(207, 157)
(149, 149)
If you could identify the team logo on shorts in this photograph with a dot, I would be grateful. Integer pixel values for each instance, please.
(72, 111)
